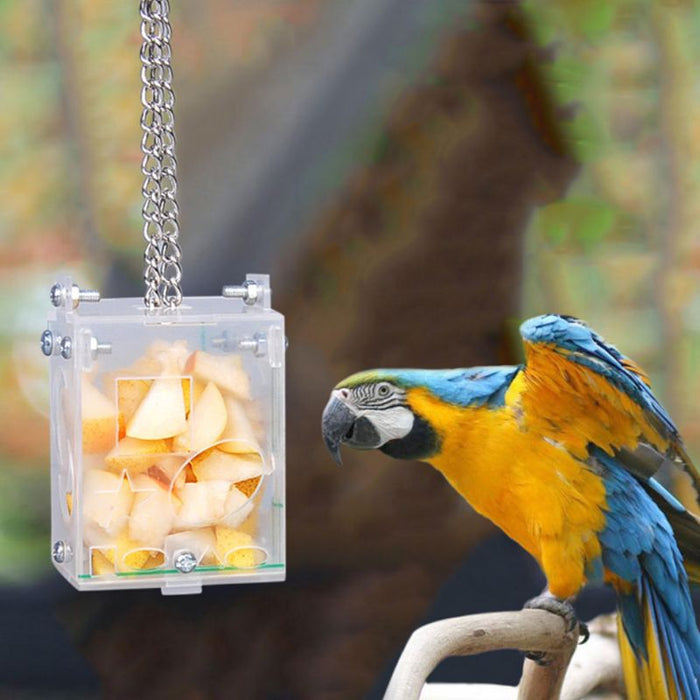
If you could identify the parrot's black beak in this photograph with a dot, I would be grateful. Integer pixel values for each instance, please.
(340, 423)
(336, 425)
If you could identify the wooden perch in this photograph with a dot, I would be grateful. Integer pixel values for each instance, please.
(526, 630)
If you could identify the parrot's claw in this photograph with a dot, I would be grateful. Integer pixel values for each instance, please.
(565, 610)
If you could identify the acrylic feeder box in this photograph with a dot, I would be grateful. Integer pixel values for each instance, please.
(167, 442)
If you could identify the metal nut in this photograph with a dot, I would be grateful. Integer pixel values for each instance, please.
(185, 562)
(249, 291)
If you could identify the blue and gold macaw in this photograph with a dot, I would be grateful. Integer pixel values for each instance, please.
(561, 453)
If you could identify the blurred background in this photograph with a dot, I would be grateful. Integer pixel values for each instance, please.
(417, 177)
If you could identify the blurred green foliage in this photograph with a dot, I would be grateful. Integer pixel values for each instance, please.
(621, 249)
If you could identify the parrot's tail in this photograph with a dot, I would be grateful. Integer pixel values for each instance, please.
(659, 640)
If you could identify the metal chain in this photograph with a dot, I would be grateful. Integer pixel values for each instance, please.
(163, 269)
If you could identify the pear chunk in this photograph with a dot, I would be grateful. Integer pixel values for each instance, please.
(238, 436)
(99, 417)
(107, 499)
(238, 507)
(161, 414)
(151, 516)
(203, 503)
(134, 455)
(215, 464)
(226, 371)
(236, 548)
(205, 424)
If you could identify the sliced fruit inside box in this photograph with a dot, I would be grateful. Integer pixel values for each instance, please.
(175, 463)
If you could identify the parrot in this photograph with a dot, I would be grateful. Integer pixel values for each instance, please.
(562, 453)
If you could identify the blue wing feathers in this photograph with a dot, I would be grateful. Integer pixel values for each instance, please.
(639, 547)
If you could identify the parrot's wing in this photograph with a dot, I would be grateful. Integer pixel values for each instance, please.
(575, 362)
(585, 394)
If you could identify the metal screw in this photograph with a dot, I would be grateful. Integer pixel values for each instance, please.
(249, 291)
(66, 347)
(60, 295)
(58, 551)
(185, 562)
(98, 348)
(48, 343)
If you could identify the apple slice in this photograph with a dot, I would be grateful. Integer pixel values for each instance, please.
(203, 503)
(205, 424)
(215, 464)
(238, 436)
(107, 499)
(151, 515)
(161, 414)
(100, 419)
(134, 455)
(237, 548)
(226, 371)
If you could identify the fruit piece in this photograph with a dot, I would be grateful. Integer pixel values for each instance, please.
(236, 548)
(161, 414)
(151, 515)
(100, 565)
(238, 436)
(201, 542)
(107, 498)
(226, 371)
(135, 455)
(205, 424)
(130, 393)
(215, 464)
(168, 470)
(155, 560)
(99, 416)
(69, 503)
(130, 554)
(187, 393)
(248, 486)
(203, 503)
(237, 507)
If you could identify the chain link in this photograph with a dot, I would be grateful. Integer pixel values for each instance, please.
(163, 268)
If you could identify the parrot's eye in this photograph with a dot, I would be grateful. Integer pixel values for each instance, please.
(383, 390)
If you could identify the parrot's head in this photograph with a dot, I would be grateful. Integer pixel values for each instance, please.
(371, 410)
(406, 412)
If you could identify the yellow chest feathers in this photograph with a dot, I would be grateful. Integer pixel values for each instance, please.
(529, 486)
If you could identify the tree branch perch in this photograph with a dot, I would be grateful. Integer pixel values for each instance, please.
(526, 630)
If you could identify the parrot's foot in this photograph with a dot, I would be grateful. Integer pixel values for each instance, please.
(565, 610)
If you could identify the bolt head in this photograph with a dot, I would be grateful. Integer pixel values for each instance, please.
(58, 551)
(66, 347)
(185, 562)
(47, 342)
(58, 295)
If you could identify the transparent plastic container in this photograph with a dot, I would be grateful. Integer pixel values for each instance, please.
(167, 442)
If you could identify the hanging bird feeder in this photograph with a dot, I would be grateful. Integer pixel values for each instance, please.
(167, 414)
